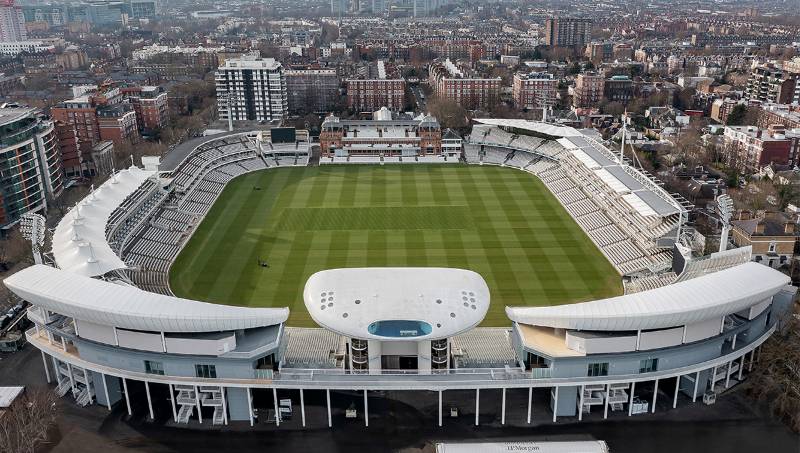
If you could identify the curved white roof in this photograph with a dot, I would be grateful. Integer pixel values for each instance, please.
(79, 242)
(533, 126)
(700, 299)
(110, 304)
(348, 301)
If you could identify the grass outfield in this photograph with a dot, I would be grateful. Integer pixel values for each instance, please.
(499, 222)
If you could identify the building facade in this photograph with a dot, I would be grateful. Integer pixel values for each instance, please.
(380, 87)
(750, 148)
(312, 90)
(589, 90)
(769, 83)
(12, 22)
(567, 31)
(534, 90)
(459, 85)
(252, 89)
(30, 164)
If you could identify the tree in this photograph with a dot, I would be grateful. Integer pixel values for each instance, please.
(776, 379)
(737, 115)
(24, 426)
(449, 113)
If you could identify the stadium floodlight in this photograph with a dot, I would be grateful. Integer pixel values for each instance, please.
(32, 227)
(725, 210)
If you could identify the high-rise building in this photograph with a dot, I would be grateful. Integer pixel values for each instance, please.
(567, 31)
(12, 22)
(143, 8)
(30, 164)
(534, 90)
(251, 88)
(589, 89)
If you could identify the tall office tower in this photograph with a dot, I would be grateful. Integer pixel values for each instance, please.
(567, 31)
(12, 22)
(251, 88)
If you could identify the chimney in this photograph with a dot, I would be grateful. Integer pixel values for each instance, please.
(788, 228)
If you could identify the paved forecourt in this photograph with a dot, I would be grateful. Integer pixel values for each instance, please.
(500, 222)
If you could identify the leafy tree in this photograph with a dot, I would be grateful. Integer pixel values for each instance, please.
(449, 113)
(737, 115)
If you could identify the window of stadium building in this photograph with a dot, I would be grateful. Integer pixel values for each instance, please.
(598, 369)
(205, 371)
(151, 367)
(648, 365)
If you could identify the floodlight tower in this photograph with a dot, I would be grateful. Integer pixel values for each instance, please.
(32, 227)
(725, 209)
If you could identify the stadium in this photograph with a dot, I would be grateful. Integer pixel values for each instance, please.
(237, 277)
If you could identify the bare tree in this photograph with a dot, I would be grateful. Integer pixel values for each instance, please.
(24, 427)
(776, 378)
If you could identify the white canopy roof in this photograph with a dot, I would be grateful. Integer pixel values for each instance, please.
(348, 301)
(110, 304)
(700, 299)
(79, 242)
(533, 126)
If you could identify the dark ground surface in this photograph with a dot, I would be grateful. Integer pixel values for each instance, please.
(406, 422)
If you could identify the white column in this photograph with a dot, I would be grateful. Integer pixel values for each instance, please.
(677, 388)
(580, 405)
(741, 367)
(277, 410)
(605, 409)
(172, 401)
(696, 383)
(555, 406)
(630, 400)
(127, 398)
(477, 404)
(58, 373)
(250, 405)
(503, 409)
(224, 405)
(71, 377)
(302, 408)
(63, 344)
(530, 403)
(440, 408)
(733, 342)
(86, 380)
(366, 409)
(197, 401)
(44, 362)
(752, 359)
(713, 377)
(728, 374)
(638, 338)
(149, 402)
(105, 391)
(328, 397)
(655, 395)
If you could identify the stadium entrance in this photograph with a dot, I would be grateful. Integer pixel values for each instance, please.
(399, 362)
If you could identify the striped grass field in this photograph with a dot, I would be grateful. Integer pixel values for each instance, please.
(499, 222)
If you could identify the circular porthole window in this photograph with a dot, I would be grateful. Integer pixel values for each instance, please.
(358, 301)
(344, 315)
(439, 301)
(452, 315)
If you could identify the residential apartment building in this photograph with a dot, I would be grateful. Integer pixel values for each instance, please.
(117, 123)
(12, 22)
(252, 89)
(567, 31)
(618, 88)
(771, 235)
(589, 90)
(769, 83)
(749, 148)
(534, 90)
(379, 87)
(312, 90)
(30, 164)
(459, 84)
(151, 106)
(782, 114)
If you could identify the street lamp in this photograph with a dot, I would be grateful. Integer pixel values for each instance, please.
(725, 210)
